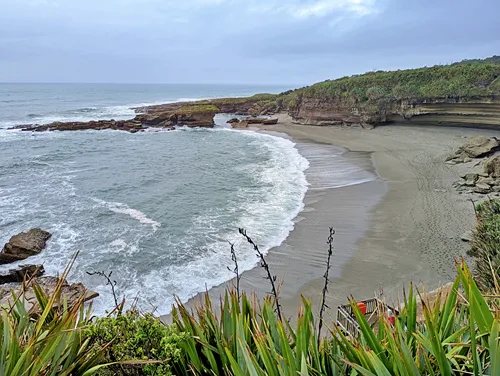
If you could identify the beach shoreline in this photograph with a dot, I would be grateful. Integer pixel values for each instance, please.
(404, 226)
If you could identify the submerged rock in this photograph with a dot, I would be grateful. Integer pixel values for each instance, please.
(24, 245)
(255, 120)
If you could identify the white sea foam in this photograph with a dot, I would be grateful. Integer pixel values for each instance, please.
(121, 208)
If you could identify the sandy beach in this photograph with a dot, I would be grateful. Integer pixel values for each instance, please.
(404, 226)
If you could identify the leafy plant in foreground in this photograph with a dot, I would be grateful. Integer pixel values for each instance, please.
(50, 342)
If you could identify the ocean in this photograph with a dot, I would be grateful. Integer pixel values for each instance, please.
(157, 209)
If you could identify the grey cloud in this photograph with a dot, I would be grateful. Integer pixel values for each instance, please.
(253, 41)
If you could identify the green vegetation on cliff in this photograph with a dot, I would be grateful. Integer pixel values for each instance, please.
(464, 80)
(198, 108)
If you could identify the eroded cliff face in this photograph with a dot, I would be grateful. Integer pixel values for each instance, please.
(472, 112)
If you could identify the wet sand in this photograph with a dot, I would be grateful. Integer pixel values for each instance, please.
(403, 226)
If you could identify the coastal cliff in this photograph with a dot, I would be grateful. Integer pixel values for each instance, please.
(466, 93)
(480, 111)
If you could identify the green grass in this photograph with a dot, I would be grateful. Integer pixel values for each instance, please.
(244, 100)
(198, 108)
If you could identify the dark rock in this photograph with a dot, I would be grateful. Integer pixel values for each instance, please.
(270, 121)
(24, 245)
(233, 120)
(255, 120)
(20, 273)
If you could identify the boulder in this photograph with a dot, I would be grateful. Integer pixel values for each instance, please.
(488, 181)
(21, 272)
(233, 121)
(479, 146)
(24, 245)
(482, 188)
(492, 166)
(467, 236)
(70, 293)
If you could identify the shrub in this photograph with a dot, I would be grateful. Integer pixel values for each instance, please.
(135, 336)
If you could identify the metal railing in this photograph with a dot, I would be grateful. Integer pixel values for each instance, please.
(347, 321)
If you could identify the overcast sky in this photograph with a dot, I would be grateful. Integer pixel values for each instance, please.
(236, 41)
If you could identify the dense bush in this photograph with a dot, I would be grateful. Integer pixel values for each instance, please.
(485, 245)
(135, 336)
(444, 81)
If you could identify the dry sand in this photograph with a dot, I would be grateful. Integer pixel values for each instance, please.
(404, 226)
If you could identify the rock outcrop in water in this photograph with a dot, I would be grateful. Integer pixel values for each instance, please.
(167, 117)
(24, 245)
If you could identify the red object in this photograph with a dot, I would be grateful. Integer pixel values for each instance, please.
(392, 320)
(362, 307)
